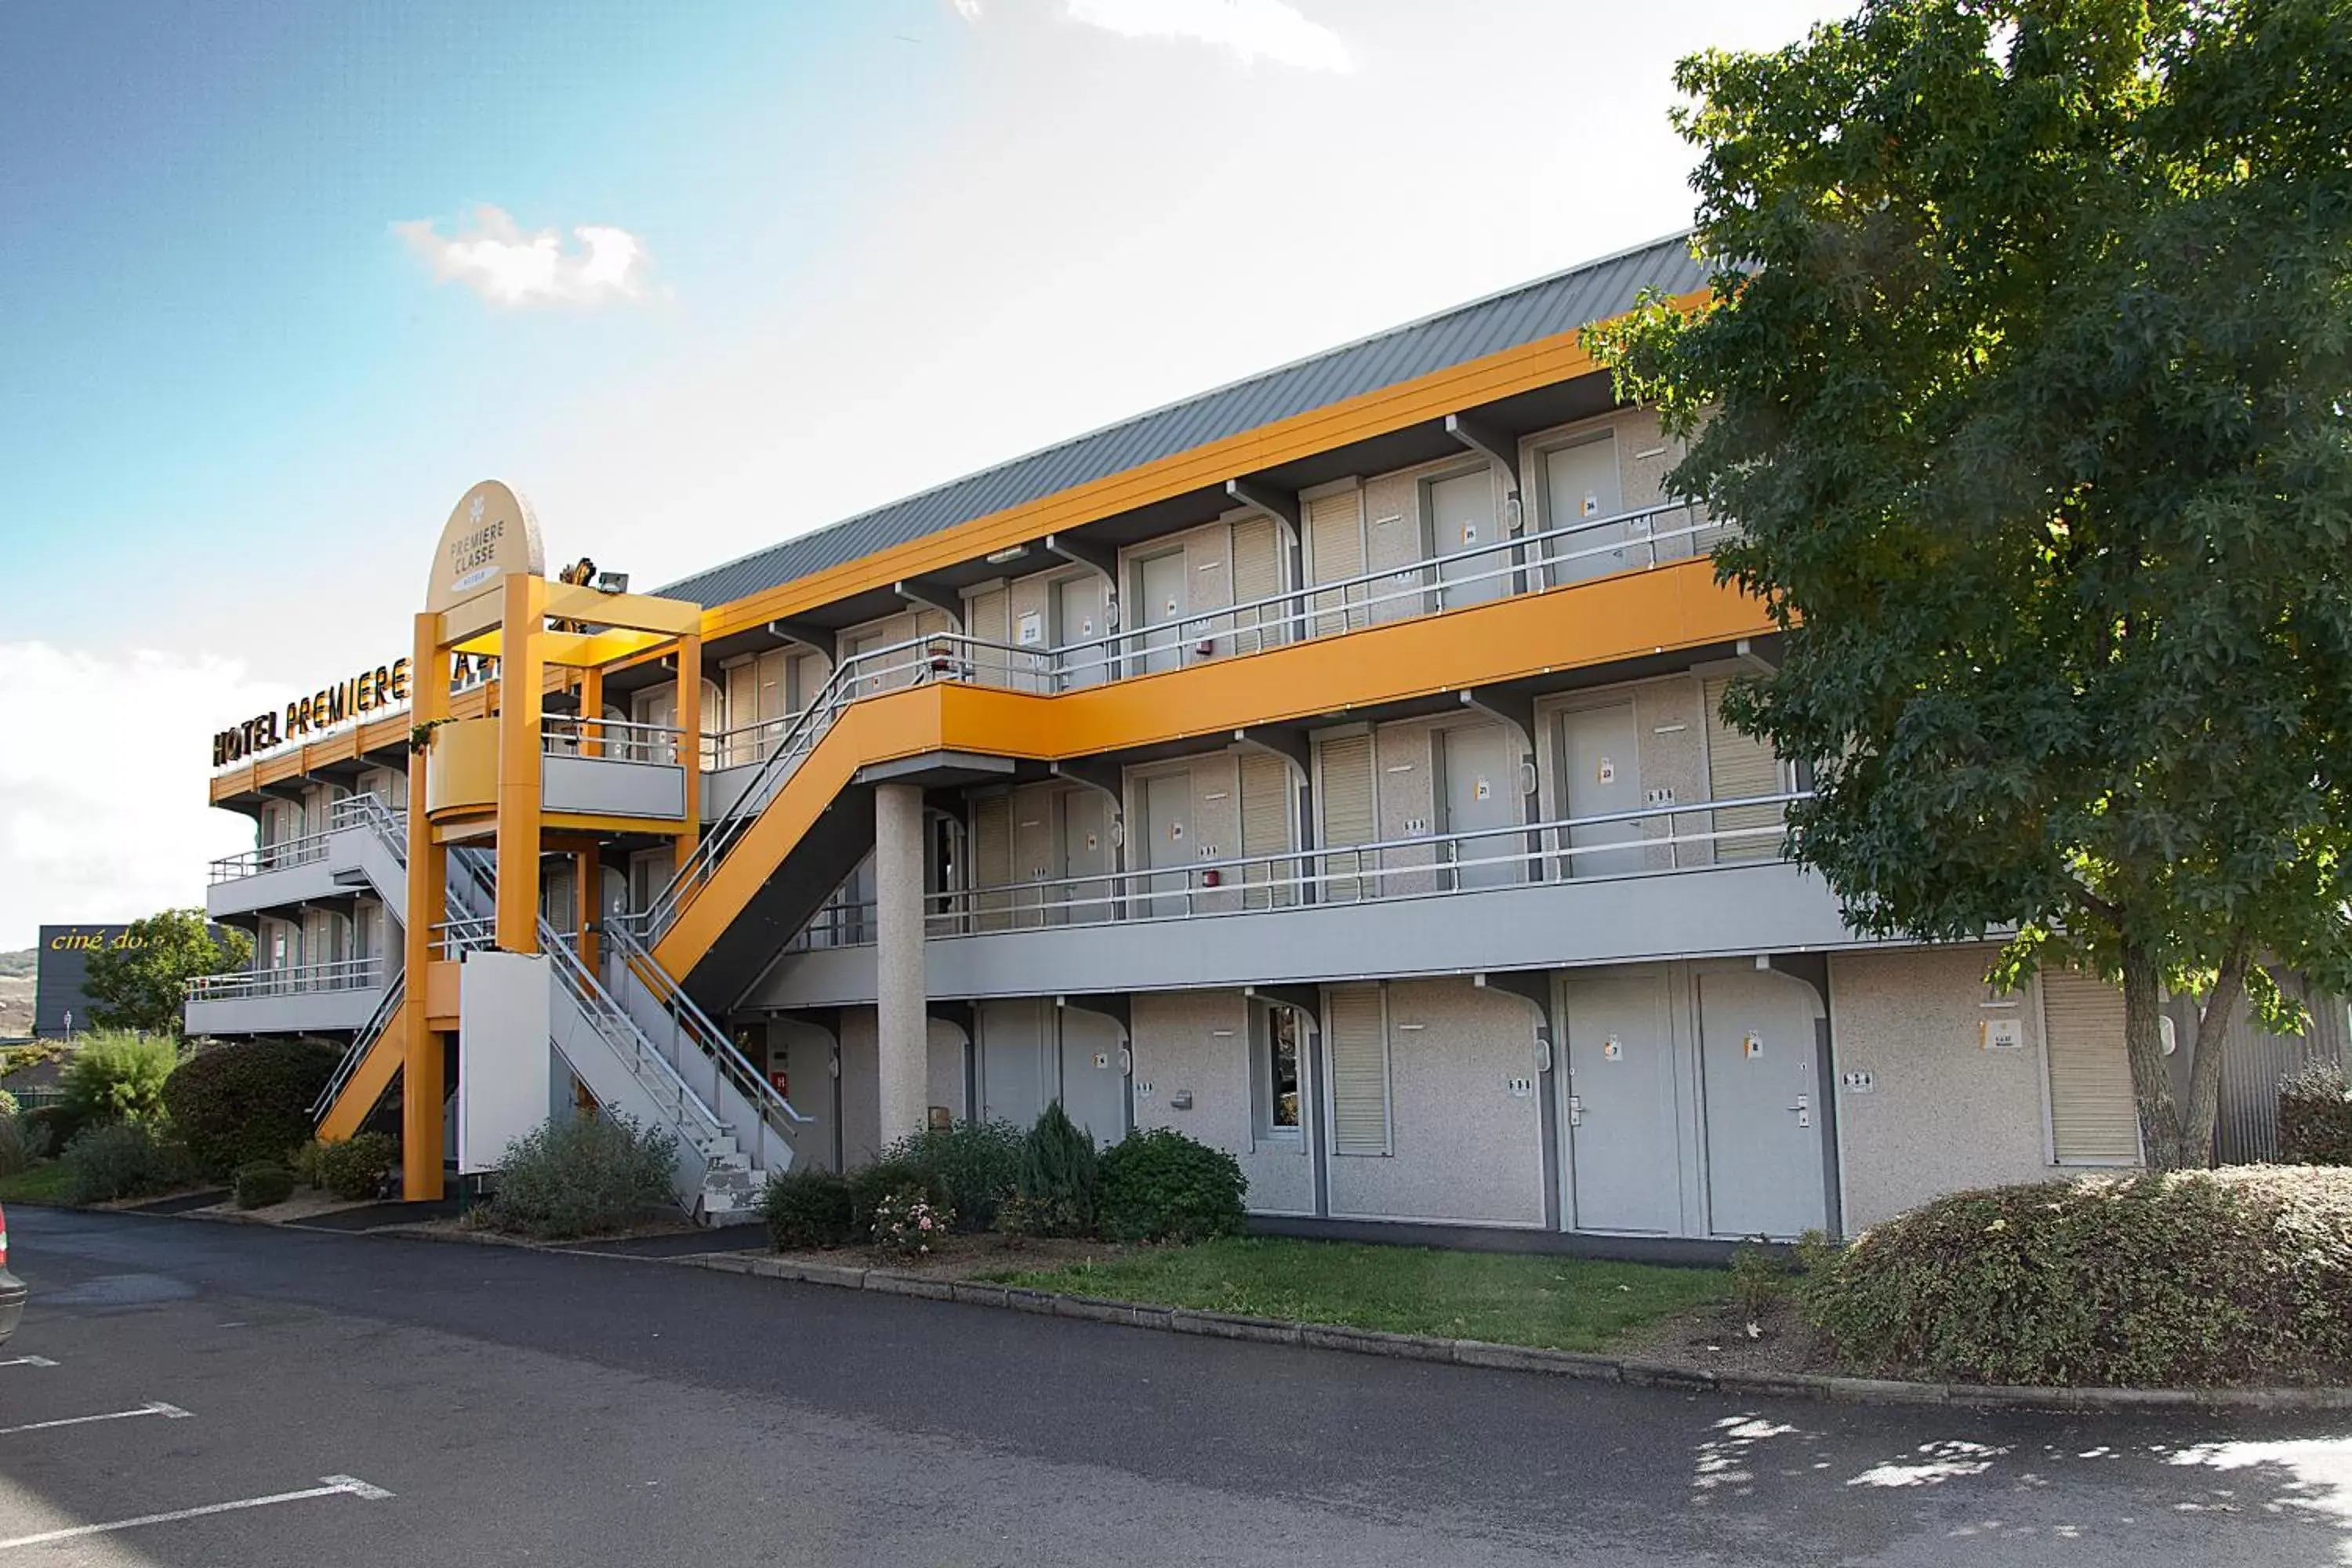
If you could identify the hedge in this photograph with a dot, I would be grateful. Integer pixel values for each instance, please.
(2315, 1117)
(247, 1103)
(2180, 1279)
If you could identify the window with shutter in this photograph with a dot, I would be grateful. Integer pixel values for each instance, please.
(1335, 549)
(1739, 767)
(1358, 1028)
(1266, 830)
(1348, 813)
(2093, 1120)
(1258, 574)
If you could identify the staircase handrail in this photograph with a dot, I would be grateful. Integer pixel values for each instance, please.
(387, 1008)
(601, 1010)
(749, 1081)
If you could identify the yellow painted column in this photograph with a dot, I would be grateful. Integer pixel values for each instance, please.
(689, 725)
(592, 711)
(520, 705)
(422, 1085)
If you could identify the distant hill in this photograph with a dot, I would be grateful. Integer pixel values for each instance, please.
(19, 965)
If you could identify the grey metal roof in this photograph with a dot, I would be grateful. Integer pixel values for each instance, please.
(1590, 291)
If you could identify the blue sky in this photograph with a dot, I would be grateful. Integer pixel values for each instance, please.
(882, 243)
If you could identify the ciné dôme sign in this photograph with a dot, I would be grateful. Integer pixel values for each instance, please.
(385, 686)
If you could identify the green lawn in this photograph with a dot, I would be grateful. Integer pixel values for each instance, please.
(1558, 1303)
(41, 1183)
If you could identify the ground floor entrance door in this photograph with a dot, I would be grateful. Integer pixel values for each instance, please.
(1094, 1076)
(1767, 1154)
(1623, 1161)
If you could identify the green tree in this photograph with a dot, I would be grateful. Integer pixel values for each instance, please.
(141, 984)
(2029, 389)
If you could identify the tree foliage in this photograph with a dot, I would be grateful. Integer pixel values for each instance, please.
(142, 983)
(2028, 383)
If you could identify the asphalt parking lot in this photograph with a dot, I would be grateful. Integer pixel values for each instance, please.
(185, 1394)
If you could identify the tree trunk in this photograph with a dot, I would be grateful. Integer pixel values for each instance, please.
(2161, 1136)
(2205, 1068)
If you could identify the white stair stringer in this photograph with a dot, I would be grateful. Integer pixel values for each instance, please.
(716, 1182)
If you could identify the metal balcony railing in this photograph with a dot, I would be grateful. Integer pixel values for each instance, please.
(1654, 841)
(294, 980)
(1632, 540)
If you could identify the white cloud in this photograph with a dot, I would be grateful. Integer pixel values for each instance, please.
(1251, 29)
(968, 9)
(507, 266)
(102, 803)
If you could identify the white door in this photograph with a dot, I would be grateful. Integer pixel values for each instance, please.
(658, 709)
(1094, 1086)
(1624, 1163)
(1462, 521)
(1582, 494)
(1161, 594)
(1168, 847)
(1481, 768)
(1603, 776)
(1078, 622)
(1086, 858)
(1767, 1163)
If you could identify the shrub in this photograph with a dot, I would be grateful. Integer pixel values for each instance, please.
(1163, 1186)
(580, 1176)
(123, 1160)
(7, 1105)
(907, 1224)
(894, 1173)
(2315, 1117)
(353, 1168)
(247, 1103)
(116, 1074)
(59, 1123)
(1059, 1176)
(1760, 1277)
(2177, 1279)
(807, 1208)
(971, 1167)
(308, 1162)
(22, 1141)
(261, 1184)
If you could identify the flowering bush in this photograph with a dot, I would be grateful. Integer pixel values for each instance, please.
(907, 1224)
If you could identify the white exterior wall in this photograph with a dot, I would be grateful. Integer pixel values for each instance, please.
(1465, 1149)
(1942, 1113)
(1198, 1043)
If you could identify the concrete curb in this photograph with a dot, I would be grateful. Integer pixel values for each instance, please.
(1521, 1358)
(1409, 1347)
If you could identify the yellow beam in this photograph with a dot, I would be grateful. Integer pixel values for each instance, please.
(626, 612)
(420, 1047)
(520, 752)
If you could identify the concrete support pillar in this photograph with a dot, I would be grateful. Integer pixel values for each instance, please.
(901, 1003)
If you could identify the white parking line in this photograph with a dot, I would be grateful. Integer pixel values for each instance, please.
(331, 1485)
(28, 1361)
(153, 1407)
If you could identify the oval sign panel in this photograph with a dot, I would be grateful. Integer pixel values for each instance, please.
(492, 531)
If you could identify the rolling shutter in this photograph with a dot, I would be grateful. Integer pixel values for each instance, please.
(1335, 547)
(1258, 574)
(992, 857)
(1739, 767)
(2093, 1117)
(1348, 817)
(1266, 831)
(1359, 1071)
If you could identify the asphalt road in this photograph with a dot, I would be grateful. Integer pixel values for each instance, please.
(522, 1408)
